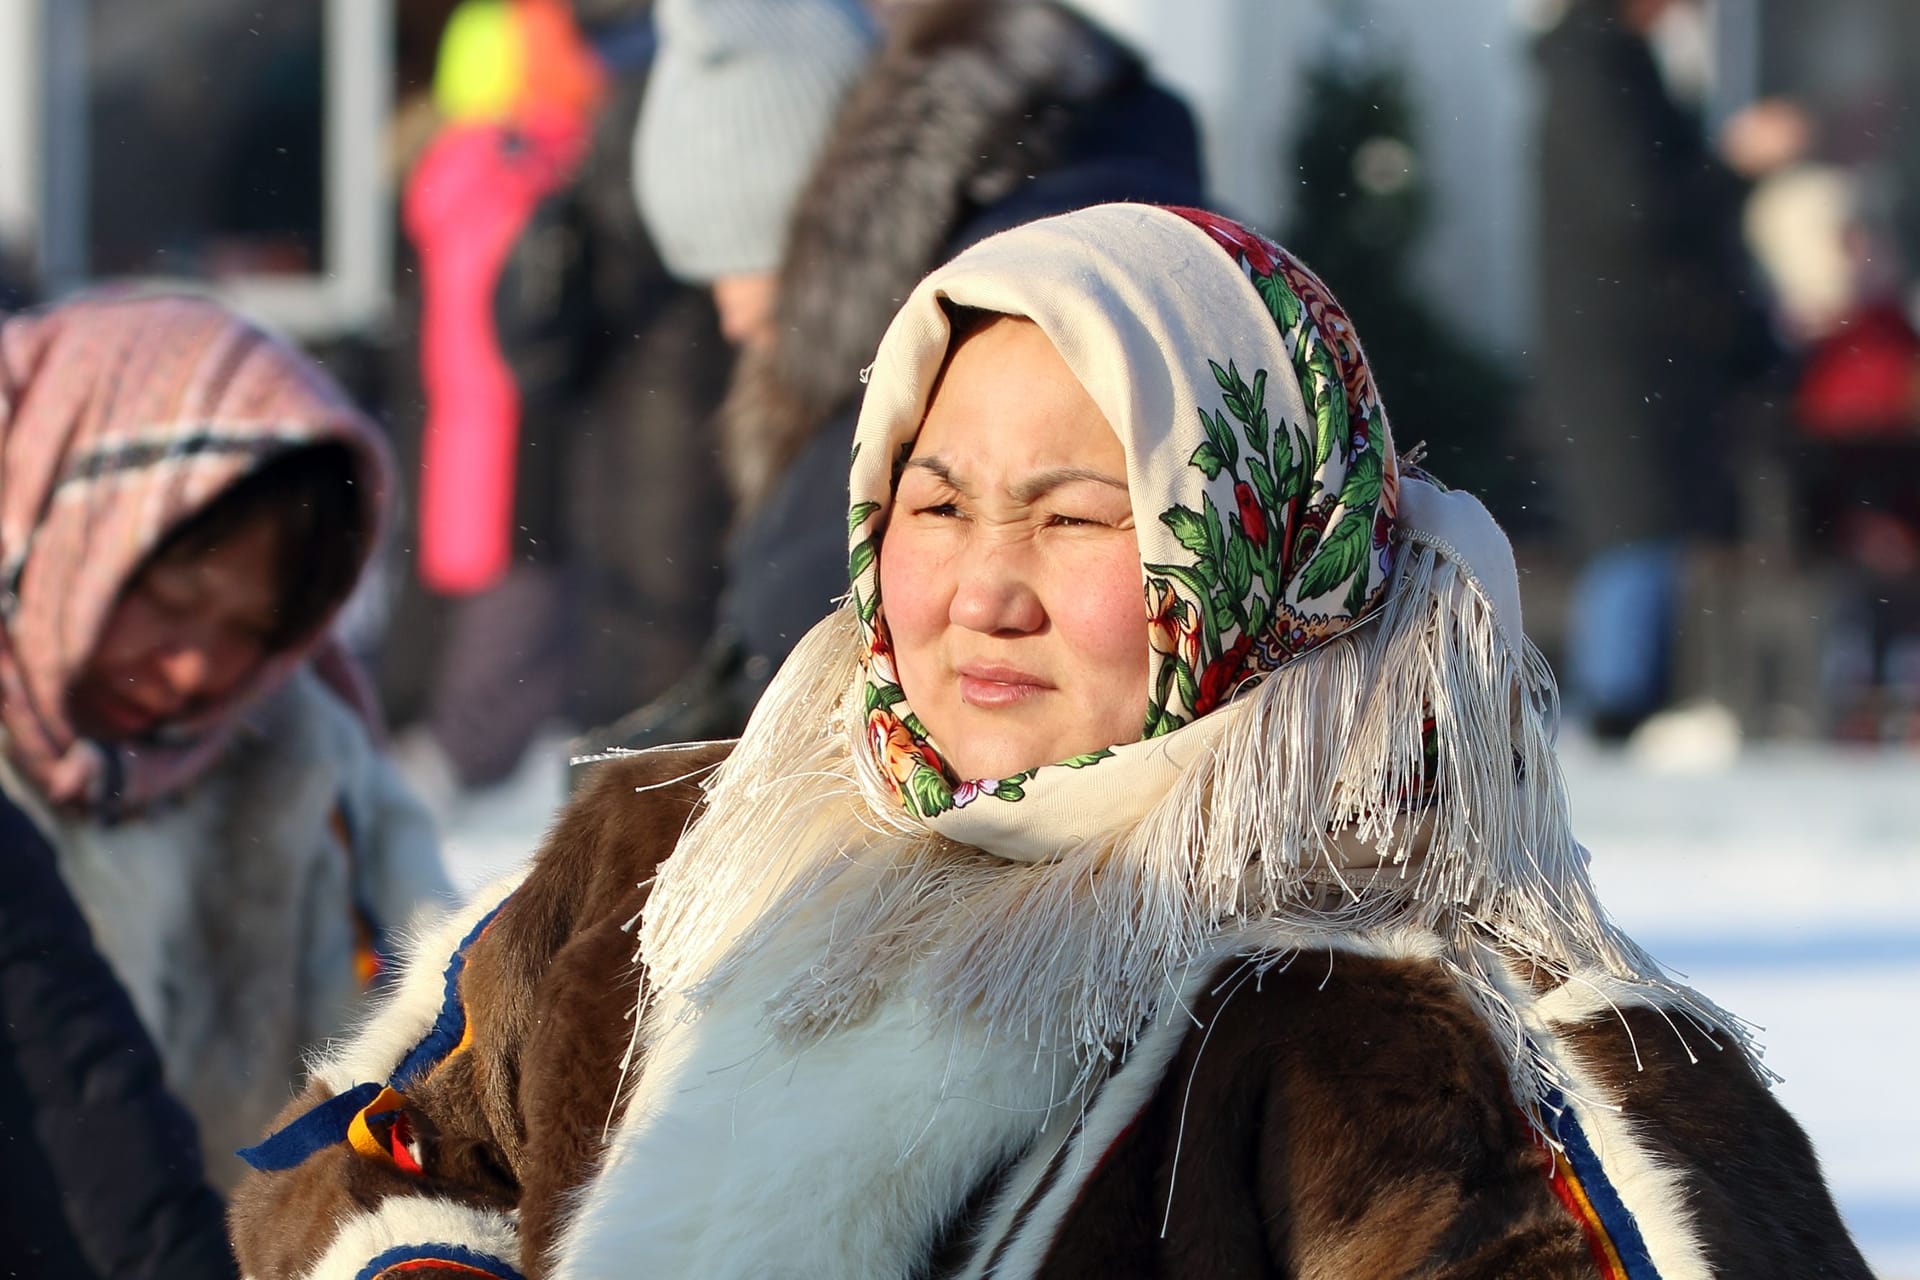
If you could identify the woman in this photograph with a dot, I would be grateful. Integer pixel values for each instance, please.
(1031, 931)
(184, 505)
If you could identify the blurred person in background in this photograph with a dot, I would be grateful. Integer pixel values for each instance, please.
(1824, 234)
(1652, 347)
(645, 502)
(567, 525)
(515, 89)
(737, 108)
(974, 116)
(185, 503)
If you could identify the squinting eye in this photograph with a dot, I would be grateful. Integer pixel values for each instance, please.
(944, 510)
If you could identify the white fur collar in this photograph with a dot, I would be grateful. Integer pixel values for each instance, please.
(736, 1146)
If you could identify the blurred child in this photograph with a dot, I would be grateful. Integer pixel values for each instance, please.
(184, 505)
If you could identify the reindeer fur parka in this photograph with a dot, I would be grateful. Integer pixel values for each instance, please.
(1330, 1113)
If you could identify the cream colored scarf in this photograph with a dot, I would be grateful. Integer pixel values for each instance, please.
(1348, 730)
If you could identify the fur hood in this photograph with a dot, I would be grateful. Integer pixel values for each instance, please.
(976, 116)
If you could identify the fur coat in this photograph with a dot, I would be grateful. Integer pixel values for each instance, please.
(1314, 1113)
(244, 917)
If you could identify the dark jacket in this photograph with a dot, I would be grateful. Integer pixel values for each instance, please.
(100, 1164)
(1321, 1119)
(977, 116)
(1649, 329)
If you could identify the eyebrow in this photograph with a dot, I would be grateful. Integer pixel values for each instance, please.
(1032, 487)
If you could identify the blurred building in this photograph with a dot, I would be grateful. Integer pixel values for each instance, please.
(1854, 63)
(218, 143)
(245, 144)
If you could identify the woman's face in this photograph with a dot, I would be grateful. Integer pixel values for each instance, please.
(185, 635)
(1009, 571)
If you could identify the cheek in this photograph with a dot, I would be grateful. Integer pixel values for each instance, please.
(131, 632)
(231, 663)
(912, 594)
(1102, 616)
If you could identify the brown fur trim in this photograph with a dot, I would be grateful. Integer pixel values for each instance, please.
(556, 985)
(967, 98)
(1351, 1120)
(517, 1119)
(1759, 1203)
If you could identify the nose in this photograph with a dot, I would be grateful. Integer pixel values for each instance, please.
(994, 594)
(186, 672)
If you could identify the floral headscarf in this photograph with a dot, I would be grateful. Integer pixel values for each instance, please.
(120, 417)
(1262, 475)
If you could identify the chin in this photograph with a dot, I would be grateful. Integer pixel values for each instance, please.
(1000, 759)
(973, 761)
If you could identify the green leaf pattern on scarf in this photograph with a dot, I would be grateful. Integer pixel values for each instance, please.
(1235, 610)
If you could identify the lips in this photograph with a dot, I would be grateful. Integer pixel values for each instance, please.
(122, 716)
(991, 686)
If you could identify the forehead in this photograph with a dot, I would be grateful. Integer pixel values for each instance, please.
(242, 563)
(1006, 397)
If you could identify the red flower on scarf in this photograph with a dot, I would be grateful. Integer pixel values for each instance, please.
(1218, 680)
(893, 745)
(1234, 238)
(1253, 518)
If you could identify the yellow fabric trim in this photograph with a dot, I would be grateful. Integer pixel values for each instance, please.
(360, 1134)
(1596, 1232)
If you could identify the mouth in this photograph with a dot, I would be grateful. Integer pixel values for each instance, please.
(122, 716)
(992, 686)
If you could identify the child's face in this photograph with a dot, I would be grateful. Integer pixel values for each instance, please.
(1009, 571)
(186, 634)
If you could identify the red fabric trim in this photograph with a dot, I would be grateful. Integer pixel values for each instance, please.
(400, 1142)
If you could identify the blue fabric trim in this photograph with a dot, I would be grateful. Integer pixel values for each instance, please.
(1614, 1216)
(482, 1262)
(326, 1124)
(322, 1127)
(452, 1022)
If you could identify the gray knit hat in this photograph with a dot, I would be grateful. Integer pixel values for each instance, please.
(739, 101)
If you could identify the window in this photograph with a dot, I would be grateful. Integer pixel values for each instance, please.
(247, 156)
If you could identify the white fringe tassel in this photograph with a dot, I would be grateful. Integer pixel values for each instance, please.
(1315, 812)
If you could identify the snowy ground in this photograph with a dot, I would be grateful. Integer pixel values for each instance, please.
(1786, 885)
